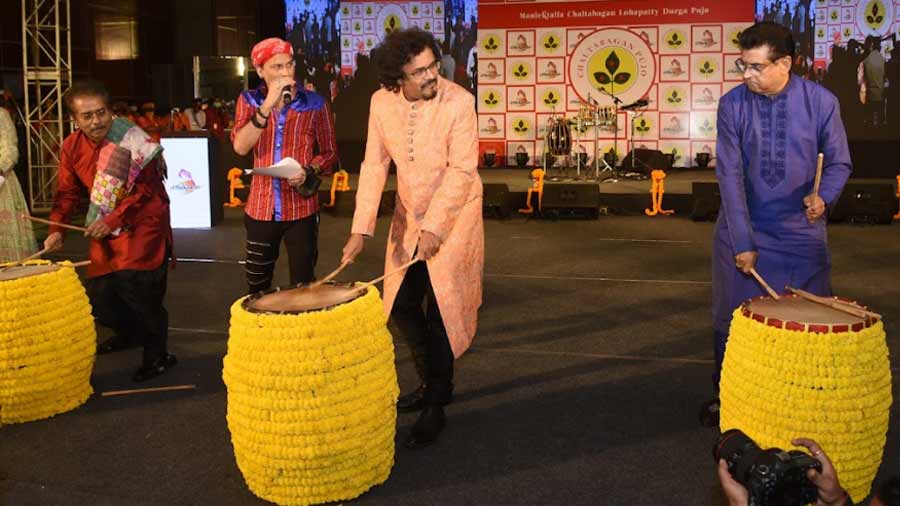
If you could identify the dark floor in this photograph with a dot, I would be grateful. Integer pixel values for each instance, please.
(582, 386)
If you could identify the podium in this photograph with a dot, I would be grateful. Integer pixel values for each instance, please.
(193, 184)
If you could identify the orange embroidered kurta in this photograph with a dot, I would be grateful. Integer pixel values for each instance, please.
(434, 144)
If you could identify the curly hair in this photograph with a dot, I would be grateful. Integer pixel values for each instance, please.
(398, 49)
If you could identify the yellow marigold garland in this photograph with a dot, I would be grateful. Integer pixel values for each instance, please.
(834, 388)
(312, 401)
(47, 345)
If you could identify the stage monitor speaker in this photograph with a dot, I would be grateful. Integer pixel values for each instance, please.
(496, 201)
(571, 198)
(646, 161)
(707, 200)
(866, 202)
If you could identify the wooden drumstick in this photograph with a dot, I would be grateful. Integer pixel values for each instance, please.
(764, 284)
(147, 390)
(818, 181)
(329, 277)
(32, 257)
(405, 266)
(834, 304)
(58, 224)
(79, 264)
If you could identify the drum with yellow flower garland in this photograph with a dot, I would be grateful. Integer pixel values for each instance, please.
(312, 391)
(795, 368)
(47, 341)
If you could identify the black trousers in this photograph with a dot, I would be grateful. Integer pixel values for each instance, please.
(424, 332)
(263, 244)
(131, 304)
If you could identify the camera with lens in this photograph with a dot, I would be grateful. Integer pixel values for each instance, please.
(773, 477)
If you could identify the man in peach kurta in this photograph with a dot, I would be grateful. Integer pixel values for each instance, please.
(427, 126)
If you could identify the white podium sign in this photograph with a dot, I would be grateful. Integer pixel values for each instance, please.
(188, 184)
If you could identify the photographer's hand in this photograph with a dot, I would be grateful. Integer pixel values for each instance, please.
(830, 491)
(736, 494)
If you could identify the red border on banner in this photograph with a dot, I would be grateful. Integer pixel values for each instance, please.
(600, 13)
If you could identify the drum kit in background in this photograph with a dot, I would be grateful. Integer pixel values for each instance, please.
(564, 157)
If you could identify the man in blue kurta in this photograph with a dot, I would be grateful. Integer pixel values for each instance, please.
(770, 132)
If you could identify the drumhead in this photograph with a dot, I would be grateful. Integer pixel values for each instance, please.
(791, 311)
(23, 271)
(302, 299)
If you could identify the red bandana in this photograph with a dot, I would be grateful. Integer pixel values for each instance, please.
(265, 49)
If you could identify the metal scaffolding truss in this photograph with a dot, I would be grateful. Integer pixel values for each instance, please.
(47, 58)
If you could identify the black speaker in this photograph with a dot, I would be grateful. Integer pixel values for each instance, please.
(572, 198)
(646, 161)
(496, 201)
(866, 202)
(707, 200)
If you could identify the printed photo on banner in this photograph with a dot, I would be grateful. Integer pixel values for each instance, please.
(520, 99)
(674, 125)
(520, 43)
(491, 126)
(707, 38)
(551, 70)
(650, 34)
(491, 71)
(706, 96)
(730, 68)
(675, 67)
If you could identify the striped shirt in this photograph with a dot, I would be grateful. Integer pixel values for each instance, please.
(303, 131)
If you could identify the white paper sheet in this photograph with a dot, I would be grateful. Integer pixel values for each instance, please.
(286, 168)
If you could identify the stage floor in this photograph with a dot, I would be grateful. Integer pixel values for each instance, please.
(592, 356)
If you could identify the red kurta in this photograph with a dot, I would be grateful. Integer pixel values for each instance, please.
(143, 215)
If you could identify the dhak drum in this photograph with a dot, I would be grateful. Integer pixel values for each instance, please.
(312, 393)
(796, 368)
(47, 341)
(559, 137)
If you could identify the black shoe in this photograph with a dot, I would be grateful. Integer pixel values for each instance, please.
(159, 366)
(709, 413)
(114, 344)
(415, 400)
(412, 401)
(427, 427)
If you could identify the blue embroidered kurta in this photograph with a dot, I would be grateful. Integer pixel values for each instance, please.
(766, 153)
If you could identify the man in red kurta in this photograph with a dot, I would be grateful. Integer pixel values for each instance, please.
(131, 239)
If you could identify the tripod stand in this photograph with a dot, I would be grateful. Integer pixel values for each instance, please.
(615, 123)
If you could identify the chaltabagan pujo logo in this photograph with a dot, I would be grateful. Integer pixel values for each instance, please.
(612, 61)
(186, 183)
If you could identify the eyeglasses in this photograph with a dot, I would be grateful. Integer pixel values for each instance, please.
(754, 68)
(419, 73)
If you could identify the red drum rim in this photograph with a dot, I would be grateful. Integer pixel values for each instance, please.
(819, 328)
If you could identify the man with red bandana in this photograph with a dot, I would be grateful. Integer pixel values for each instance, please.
(274, 128)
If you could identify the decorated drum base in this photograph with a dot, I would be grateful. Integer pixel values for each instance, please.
(312, 393)
(798, 369)
(47, 341)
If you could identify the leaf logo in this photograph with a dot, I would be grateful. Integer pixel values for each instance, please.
(345, 11)
(357, 27)
(612, 75)
(490, 99)
(706, 127)
(834, 15)
(438, 10)
(707, 68)
(521, 127)
(369, 43)
(491, 44)
(369, 10)
(676, 155)
(551, 98)
(643, 126)
(736, 38)
(521, 71)
(428, 25)
(674, 98)
(346, 42)
(551, 42)
(415, 10)
(674, 41)
(875, 14)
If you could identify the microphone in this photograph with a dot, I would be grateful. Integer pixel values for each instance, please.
(286, 94)
(636, 105)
